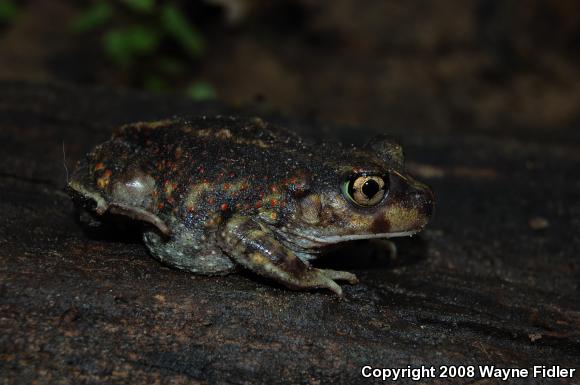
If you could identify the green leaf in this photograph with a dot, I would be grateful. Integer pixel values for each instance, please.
(123, 45)
(177, 25)
(155, 84)
(8, 11)
(93, 17)
(115, 45)
(143, 6)
(200, 91)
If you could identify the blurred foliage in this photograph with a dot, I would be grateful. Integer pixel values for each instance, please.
(177, 26)
(93, 17)
(125, 45)
(145, 6)
(8, 11)
(151, 43)
(201, 91)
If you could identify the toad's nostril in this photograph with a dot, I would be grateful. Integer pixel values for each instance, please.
(426, 201)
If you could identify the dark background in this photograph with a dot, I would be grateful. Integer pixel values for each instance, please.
(483, 95)
(478, 65)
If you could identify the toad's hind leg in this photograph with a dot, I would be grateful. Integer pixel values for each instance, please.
(254, 247)
(188, 251)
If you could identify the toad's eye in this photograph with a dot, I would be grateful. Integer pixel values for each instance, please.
(366, 190)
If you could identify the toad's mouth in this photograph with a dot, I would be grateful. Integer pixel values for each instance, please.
(310, 242)
(333, 239)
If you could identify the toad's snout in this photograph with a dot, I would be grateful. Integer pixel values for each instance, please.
(423, 200)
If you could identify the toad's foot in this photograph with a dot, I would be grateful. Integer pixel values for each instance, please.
(313, 278)
(323, 279)
(254, 247)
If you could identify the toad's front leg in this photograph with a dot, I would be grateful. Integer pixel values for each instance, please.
(253, 246)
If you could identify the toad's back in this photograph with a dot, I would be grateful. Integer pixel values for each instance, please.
(202, 166)
(215, 143)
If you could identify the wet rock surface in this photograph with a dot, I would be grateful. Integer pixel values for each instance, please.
(494, 279)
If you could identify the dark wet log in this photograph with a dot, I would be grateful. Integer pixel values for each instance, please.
(494, 280)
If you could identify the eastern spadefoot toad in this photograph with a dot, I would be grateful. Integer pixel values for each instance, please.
(220, 193)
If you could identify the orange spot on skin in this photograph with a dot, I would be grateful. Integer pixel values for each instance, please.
(99, 166)
(226, 186)
(274, 202)
(224, 207)
(169, 188)
(103, 181)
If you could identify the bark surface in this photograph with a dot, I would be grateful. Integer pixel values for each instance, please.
(494, 279)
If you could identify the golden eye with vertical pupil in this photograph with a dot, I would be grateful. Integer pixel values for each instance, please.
(365, 190)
